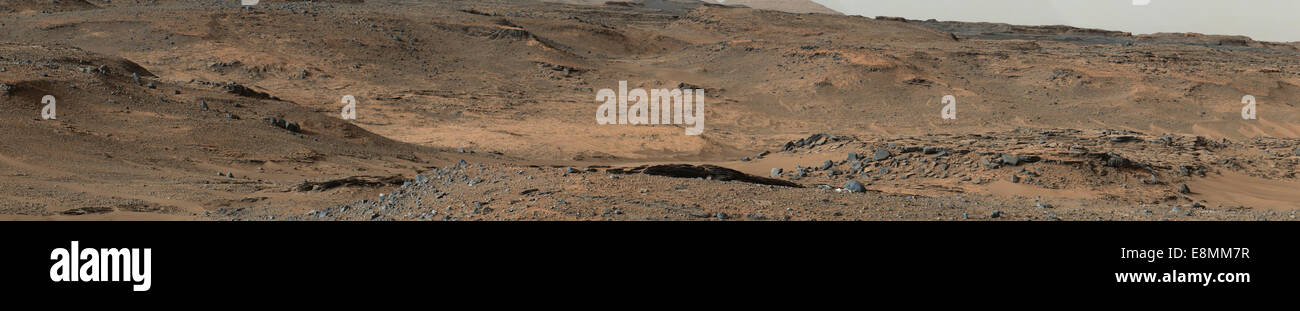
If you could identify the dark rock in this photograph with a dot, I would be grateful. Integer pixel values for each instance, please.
(853, 156)
(150, 85)
(827, 165)
(237, 89)
(1115, 160)
(995, 214)
(1124, 139)
(854, 186)
(881, 155)
(933, 150)
(799, 172)
(136, 77)
(1015, 178)
(710, 172)
(912, 149)
(1151, 181)
(1010, 159)
(722, 216)
(1185, 190)
(776, 172)
(203, 105)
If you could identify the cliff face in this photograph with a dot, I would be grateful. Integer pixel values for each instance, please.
(792, 6)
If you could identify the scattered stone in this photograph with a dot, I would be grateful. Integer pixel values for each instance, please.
(1185, 190)
(995, 214)
(136, 77)
(571, 170)
(776, 172)
(854, 186)
(853, 156)
(203, 105)
(722, 215)
(150, 85)
(1015, 178)
(827, 165)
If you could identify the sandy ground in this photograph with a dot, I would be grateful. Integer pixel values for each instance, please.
(160, 103)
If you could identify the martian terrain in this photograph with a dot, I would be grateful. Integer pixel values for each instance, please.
(452, 110)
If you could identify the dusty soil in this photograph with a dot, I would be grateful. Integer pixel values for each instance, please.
(203, 110)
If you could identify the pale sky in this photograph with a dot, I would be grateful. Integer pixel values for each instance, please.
(1266, 20)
